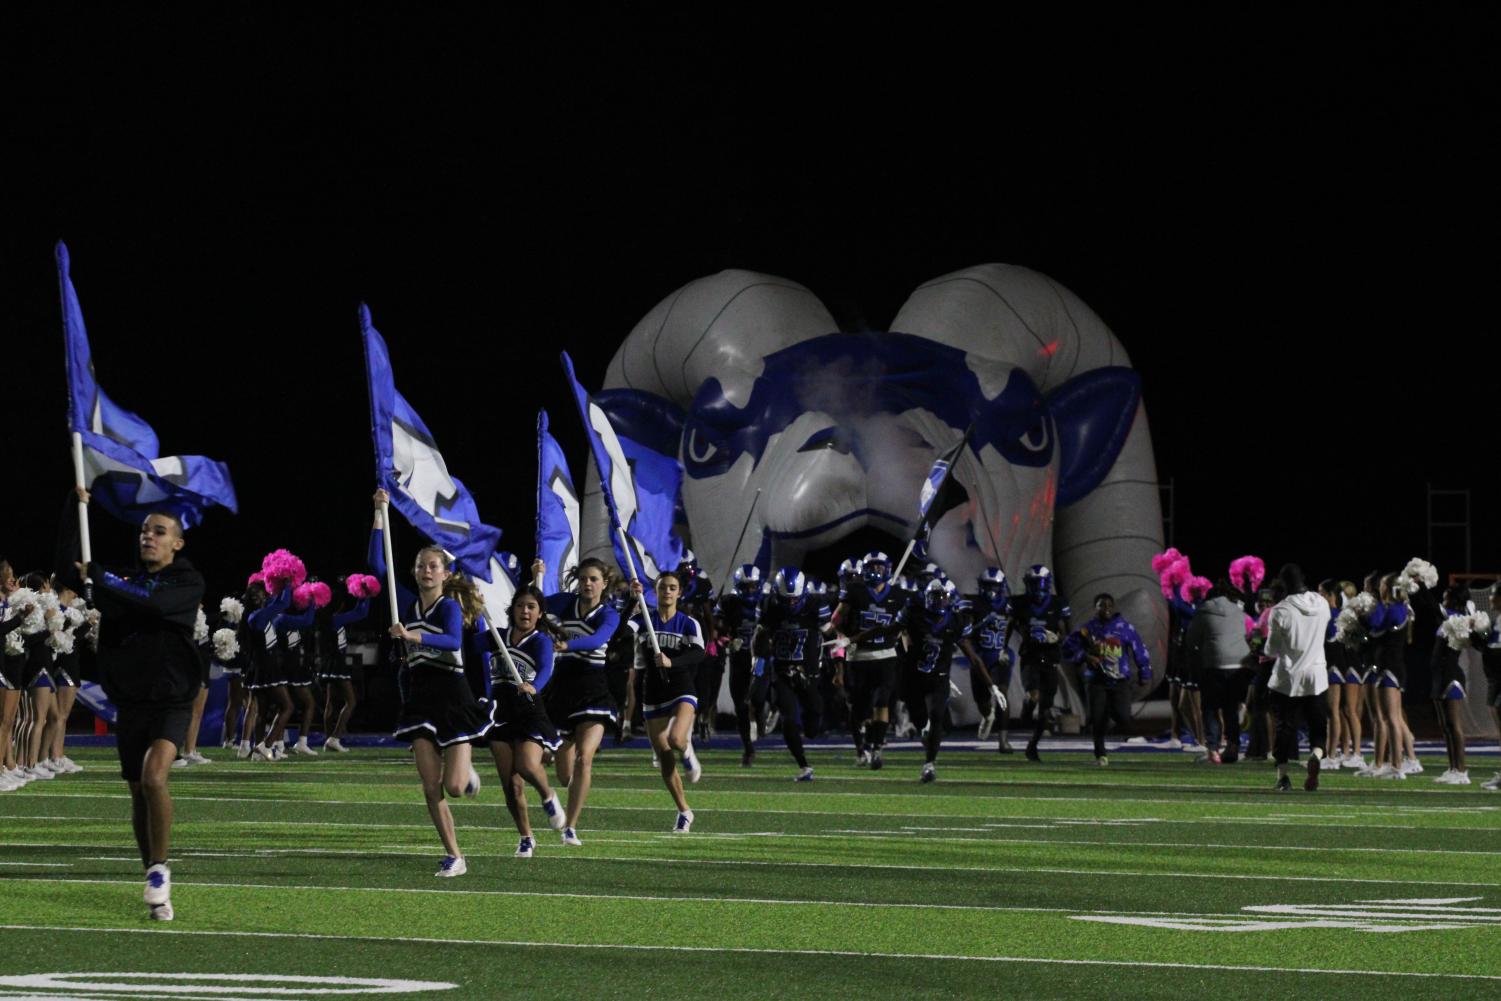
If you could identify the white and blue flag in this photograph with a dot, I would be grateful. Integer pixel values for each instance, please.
(940, 494)
(411, 469)
(557, 511)
(641, 489)
(123, 465)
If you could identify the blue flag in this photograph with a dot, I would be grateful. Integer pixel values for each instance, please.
(940, 494)
(557, 511)
(122, 461)
(410, 468)
(640, 487)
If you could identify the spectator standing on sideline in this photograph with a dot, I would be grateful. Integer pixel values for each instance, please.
(1300, 675)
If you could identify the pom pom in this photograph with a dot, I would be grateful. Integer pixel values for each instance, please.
(322, 593)
(231, 610)
(282, 568)
(74, 613)
(14, 646)
(1418, 574)
(61, 641)
(256, 578)
(1348, 629)
(56, 621)
(93, 617)
(1195, 588)
(302, 595)
(36, 619)
(362, 585)
(1480, 622)
(1163, 560)
(1247, 573)
(226, 645)
(200, 627)
(1455, 631)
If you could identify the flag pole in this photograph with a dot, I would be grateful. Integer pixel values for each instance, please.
(651, 632)
(505, 654)
(903, 561)
(385, 537)
(84, 545)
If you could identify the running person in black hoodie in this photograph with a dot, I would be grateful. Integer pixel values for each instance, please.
(150, 670)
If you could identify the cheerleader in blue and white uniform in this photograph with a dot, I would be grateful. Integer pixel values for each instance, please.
(1458, 633)
(668, 692)
(439, 715)
(578, 701)
(334, 672)
(522, 729)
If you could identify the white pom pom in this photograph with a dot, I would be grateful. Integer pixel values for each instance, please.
(1456, 631)
(55, 620)
(1480, 622)
(1419, 574)
(13, 644)
(232, 610)
(200, 627)
(226, 645)
(62, 642)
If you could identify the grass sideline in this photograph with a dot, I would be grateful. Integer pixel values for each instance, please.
(1147, 879)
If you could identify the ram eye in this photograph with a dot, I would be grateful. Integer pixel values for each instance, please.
(1038, 437)
(700, 450)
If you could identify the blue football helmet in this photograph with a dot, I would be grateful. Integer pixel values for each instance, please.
(789, 583)
(875, 568)
(994, 587)
(939, 594)
(747, 579)
(849, 572)
(1039, 580)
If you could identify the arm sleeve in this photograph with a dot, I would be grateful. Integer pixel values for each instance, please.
(1073, 646)
(355, 614)
(1139, 652)
(481, 646)
(377, 560)
(171, 597)
(291, 621)
(452, 636)
(544, 662)
(257, 619)
(6, 628)
(609, 619)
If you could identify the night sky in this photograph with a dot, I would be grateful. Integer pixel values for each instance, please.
(1292, 227)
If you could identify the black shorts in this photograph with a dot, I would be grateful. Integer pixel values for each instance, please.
(138, 727)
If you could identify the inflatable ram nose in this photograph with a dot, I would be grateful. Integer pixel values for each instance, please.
(739, 376)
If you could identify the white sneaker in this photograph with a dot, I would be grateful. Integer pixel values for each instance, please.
(47, 765)
(161, 912)
(244, 751)
(806, 775)
(862, 760)
(1354, 761)
(38, 772)
(1173, 744)
(554, 811)
(18, 776)
(8, 785)
(333, 744)
(279, 752)
(1332, 764)
(158, 885)
(695, 770)
(471, 788)
(453, 865)
(571, 837)
(524, 848)
(1103, 760)
(181, 763)
(929, 773)
(1388, 772)
(1494, 784)
(199, 758)
(684, 823)
(1460, 778)
(1412, 766)
(263, 753)
(69, 765)
(301, 748)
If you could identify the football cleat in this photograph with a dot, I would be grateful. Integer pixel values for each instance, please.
(452, 865)
(162, 912)
(471, 788)
(571, 838)
(929, 773)
(875, 760)
(524, 847)
(158, 885)
(806, 775)
(684, 823)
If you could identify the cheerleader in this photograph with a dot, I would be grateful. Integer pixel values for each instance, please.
(231, 613)
(1334, 665)
(1460, 631)
(261, 644)
(579, 702)
(439, 715)
(1388, 627)
(37, 683)
(668, 701)
(65, 677)
(16, 611)
(1367, 604)
(522, 729)
(295, 630)
(1491, 657)
(1352, 699)
(335, 671)
(203, 645)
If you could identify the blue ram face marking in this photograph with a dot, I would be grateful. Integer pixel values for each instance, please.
(853, 377)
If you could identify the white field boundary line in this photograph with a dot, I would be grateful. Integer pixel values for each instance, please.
(402, 852)
(747, 950)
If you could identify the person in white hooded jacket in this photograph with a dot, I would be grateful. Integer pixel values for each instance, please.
(1300, 675)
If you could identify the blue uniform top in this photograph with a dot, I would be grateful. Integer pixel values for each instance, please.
(679, 637)
(587, 634)
(936, 634)
(989, 634)
(740, 613)
(883, 608)
(349, 618)
(1033, 617)
(533, 655)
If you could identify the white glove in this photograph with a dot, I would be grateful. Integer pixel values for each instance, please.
(999, 699)
(839, 643)
(1049, 636)
(737, 644)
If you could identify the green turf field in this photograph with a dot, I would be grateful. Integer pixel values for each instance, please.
(1150, 879)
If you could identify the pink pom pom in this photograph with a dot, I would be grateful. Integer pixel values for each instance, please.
(301, 595)
(1247, 573)
(256, 578)
(322, 593)
(1195, 588)
(362, 585)
(1163, 560)
(281, 568)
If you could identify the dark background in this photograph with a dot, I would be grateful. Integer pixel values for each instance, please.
(1290, 223)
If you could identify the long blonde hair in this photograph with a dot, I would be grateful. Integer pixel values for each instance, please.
(462, 589)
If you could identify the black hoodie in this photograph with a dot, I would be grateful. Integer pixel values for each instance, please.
(146, 651)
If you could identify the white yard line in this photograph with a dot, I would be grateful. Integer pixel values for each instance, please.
(746, 950)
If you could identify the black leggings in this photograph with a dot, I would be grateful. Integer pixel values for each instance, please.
(1107, 702)
(740, 682)
(801, 706)
(1224, 691)
(1313, 710)
(707, 680)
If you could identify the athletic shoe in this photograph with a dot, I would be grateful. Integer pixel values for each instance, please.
(1229, 757)
(1004, 747)
(571, 838)
(161, 912)
(1314, 765)
(279, 752)
(806, 775)
(684, 823)
(554, 811)
(244, 751)
(181, 763)
(8, 784)
(1388, 772)
(1032, 754)
(263, 753)
(1173, 744)
(69, 765)
(747, 757)
(1103, 760)
(471, 788)
(17, 776)
(1354, 761)
(332, 744)
(875, 760)
(983, 732)
(37, 772)
(1412, 766)
(1284, 784)
(47, 766)
(1461, 778)
(301, 748)
(524, 847)
(1369, 771)
(1494, 783)
(862, 760)
(199, 758)
(158, 884)
(695, 770)
(453, 865)
(1332, 764)
(928, 773)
